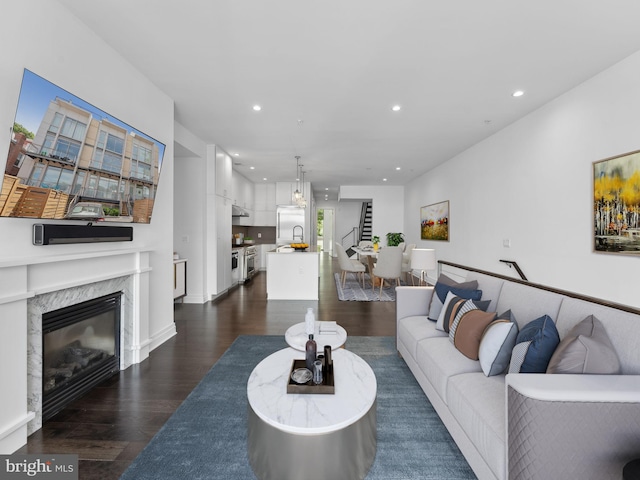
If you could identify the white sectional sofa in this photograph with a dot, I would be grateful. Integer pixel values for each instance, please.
(528, 425)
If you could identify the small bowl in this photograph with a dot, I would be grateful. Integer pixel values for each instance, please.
(301, 375)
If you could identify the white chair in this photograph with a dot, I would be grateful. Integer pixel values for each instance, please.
(406, 262)
(401, 246)
(389, 265)
(348, 265)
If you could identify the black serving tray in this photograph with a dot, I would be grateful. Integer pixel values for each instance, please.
(327, 387)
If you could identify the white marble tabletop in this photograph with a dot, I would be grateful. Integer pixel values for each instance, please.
(296, 336)
(311, 414)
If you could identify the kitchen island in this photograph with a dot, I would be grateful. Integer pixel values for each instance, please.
(293, 275)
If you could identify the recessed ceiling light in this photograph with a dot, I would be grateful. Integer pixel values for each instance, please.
(252, 168)
(265, 179)
(384, 179)
(257, 108)
(517, 93)
(397, 168)
(236, 154)
(396, 108)
(327, 188)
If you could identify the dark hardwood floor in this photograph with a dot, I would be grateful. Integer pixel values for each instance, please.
(109, 426)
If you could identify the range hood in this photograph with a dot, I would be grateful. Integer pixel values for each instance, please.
(237, 211)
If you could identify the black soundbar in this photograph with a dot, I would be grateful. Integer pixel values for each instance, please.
(52, 234)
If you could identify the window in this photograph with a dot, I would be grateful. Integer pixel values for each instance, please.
(51, 176)
(79, 182)
(47, 146)
(36, 174)
(55, 124)
(108, 188)
(73, 129)
(19, 159)
(108, 153)
(66, 149)
(141, 162)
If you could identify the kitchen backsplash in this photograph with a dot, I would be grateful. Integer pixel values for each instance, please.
(267, 234)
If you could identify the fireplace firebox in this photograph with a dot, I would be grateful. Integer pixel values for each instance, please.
(80, 349)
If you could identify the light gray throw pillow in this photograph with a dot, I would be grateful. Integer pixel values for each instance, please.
(586, 349)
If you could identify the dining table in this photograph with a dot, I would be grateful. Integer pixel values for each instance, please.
(371, 254)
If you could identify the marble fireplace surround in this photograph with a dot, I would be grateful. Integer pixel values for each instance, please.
(33, 286)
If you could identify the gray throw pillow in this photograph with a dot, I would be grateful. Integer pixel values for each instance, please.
(440, 293)
(586, 349)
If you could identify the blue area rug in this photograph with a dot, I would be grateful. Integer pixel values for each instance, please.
(206, 437)
(353, 291)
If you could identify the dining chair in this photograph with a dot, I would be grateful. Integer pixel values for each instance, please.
(388, 266)
(348, 265)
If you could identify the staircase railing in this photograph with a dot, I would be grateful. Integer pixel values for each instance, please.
(354, 234)
(513, 264)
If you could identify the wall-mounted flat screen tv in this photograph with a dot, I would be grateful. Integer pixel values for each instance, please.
(70, 160)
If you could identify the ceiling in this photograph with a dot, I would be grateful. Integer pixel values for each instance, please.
(327, 73)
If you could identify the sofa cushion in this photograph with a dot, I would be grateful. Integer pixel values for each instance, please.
(497, 343)
(585, 349)
(440, 293)
(467, 328)
(478, 405)
(490, 286)
(439, 361)
(528, 302)
(452, 304)
(621, 326)
(413, 329)
(534, 347)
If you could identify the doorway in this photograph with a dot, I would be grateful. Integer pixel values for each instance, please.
(326, 224)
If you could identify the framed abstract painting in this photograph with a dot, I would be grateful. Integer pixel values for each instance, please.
(616, 204)
(434, 221)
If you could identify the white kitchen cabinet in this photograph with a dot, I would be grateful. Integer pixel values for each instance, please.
(243, 196)
(264, 248)
(284, 192)
(224, 174)
(179, 278)
(265, 205)
(223, 244)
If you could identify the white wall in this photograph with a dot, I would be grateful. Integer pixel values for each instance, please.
(532, 183)
(388, 204)
(190, 219)
(44, 38)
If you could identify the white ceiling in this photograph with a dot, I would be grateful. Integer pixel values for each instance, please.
(327, 72)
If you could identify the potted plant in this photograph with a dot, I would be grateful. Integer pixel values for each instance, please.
(375, 240)
(394, 239)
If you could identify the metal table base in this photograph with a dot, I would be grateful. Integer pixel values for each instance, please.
(347, 453)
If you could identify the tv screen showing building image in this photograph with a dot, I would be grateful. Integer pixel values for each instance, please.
(70, 160)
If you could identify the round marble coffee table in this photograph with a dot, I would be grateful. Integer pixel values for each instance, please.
(311, 436)
(296, 337)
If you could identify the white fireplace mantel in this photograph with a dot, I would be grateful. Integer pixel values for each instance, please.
(24, 279)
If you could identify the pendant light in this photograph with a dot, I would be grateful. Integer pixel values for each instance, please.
(297, 195)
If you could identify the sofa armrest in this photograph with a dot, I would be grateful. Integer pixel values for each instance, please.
(576, 388)
(412, 301)
(571, 426)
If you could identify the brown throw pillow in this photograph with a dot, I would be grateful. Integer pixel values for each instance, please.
(467, 330)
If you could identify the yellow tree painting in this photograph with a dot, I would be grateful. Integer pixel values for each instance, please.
(616, 195)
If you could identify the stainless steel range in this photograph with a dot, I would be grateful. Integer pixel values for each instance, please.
(249, 262)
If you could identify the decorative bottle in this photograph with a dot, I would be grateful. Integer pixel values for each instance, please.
(328, 361)
(309, 322)
(311, 351)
